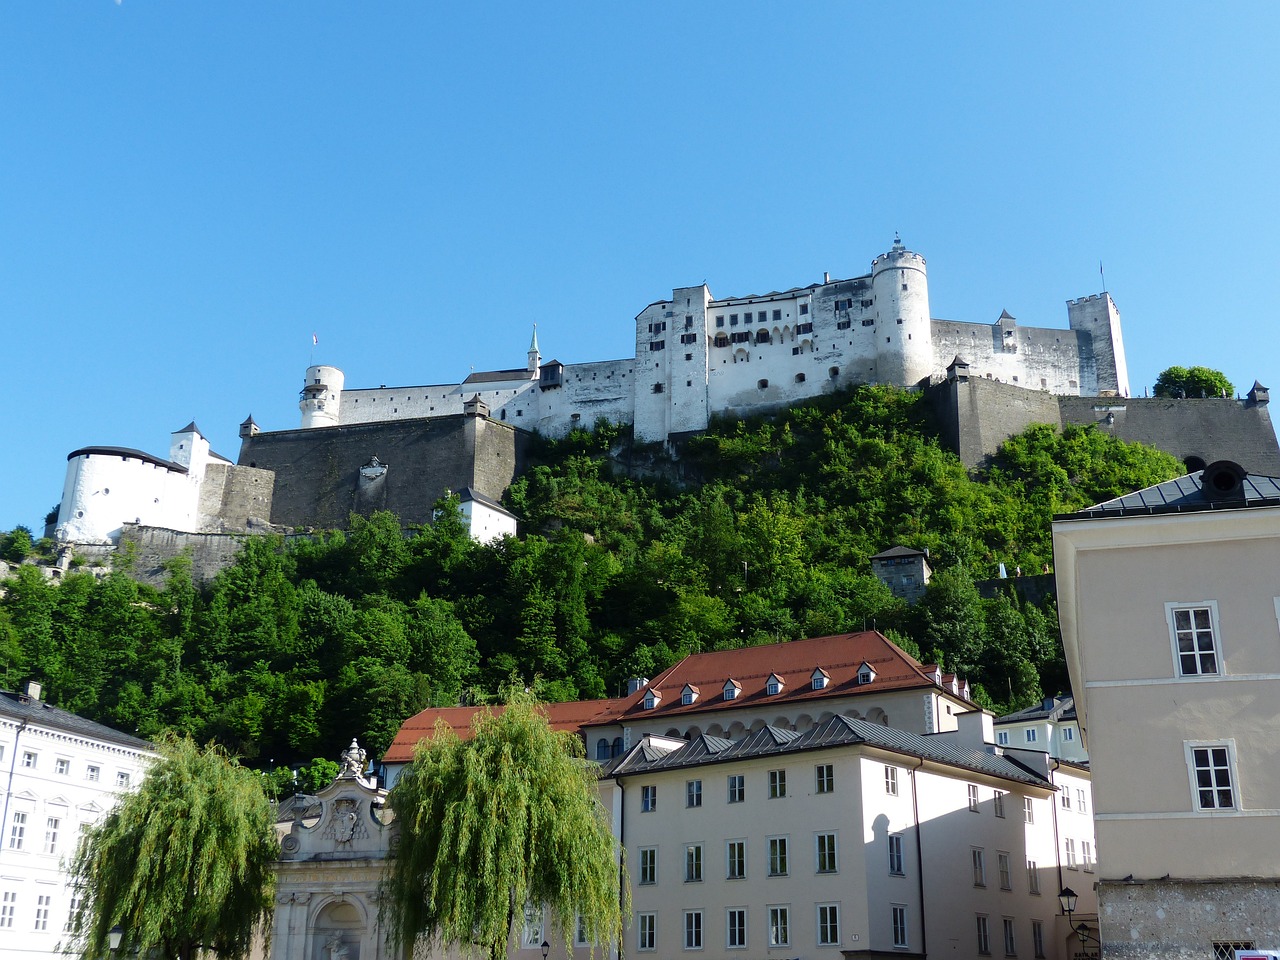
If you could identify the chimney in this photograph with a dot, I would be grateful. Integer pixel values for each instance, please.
(826, 276)
(31, 690)
(636, 684)
(975, 730)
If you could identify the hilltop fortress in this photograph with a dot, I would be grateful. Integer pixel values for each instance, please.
(696, 357)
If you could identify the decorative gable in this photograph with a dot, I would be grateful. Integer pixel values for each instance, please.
(819, 679)
(689, 694)
(866, 673)
(731, 689)
(774, 685)
(651, 699)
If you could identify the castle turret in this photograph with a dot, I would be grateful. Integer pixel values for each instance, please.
(904, 347)
(321, 396)
(535, 358)
(249, 428)
(1098, 317)
(189, 448)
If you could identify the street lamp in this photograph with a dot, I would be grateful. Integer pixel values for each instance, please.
(1068, 899)
(546, 948)
(114, 936)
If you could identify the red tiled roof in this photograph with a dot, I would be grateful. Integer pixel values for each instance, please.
(567, 717)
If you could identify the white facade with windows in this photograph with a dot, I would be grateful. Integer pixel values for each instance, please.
(1048, 726)
(62, 774)
(1170, 612)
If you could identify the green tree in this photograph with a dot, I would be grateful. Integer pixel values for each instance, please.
(183, 865)
(16, 545)
(1193, 382)
(508, 817)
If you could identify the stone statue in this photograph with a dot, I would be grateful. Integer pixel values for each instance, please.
(335, 949)
(353, 759)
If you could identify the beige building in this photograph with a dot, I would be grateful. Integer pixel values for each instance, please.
(1169, 602)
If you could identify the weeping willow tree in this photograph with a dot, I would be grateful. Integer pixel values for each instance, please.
(183, 865)
(506, 818)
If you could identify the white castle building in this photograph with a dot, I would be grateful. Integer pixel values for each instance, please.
(697, 356)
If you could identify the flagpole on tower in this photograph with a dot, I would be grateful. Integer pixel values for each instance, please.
(1104, 277)
(314, 342)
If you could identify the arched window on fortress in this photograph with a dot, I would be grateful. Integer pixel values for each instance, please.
(762, 336)
(833, 372)
(762, 384)
(799, 378)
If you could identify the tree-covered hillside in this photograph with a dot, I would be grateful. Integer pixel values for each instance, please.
(296, 648)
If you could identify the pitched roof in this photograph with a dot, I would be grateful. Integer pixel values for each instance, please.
(127, 452)
(20, 707)
(1050, 708)
(497, 376)
(793, 662)
(835, 732)
(898, 551)
(1189, 493)
(563, 717)
(475, 496)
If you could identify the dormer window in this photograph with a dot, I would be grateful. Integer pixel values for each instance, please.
(865, 674)
(651, 699)
(819, 679)
(731, 689)
(688, 695)
(774, 685)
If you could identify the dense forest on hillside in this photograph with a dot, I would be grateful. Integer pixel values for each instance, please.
(297, 647)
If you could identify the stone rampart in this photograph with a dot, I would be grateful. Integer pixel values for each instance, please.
(1183, 919)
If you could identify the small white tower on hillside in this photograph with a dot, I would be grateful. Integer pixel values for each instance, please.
(535, 358)
(189, 448)
(321, 396)
(904, 344)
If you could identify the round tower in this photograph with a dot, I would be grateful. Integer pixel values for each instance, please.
(904, 341)
(321, 396)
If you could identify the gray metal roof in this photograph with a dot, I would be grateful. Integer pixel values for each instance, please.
(21, 707)
(836, 732)
(1185, 494)
(1050, 708)
(128, 453)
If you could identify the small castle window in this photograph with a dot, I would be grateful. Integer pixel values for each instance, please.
(777, 315)
(899, 321)
(762, 384)
(799, 378)
(733, 319)
(804, 308)
(659, 388)
(904, 286)
(795, 351)
(720, 321)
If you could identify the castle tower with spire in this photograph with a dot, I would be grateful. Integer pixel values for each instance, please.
(535, 358)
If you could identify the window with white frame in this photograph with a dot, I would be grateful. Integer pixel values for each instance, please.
(122, 778)
(1033, 877)
(92, 773)
(1002, 738)
(826, 858)
(72, 907)
(580, 938)
(62, 766)
(735, 859)
(693, 929)
(896, 863)
(532, 932)
(737, 788)
(648, 798)
(1193, 633)
(1010, 945)
(646, 931)
(1212, 768)
(1028, 810)
(693, 793)
(973, 798)
(693, 863)
(1031, 734)
(1006, 872)
(778, 866)
(29, 760)
(898, 913)
(648, 865)
(828, 924)
(1037, 938)
(979, 859)
(1065, 798)
(891, 780)
(8, 907)
(824, 774)
(1068, 733)
(1072, 862)
(51, 834)
(1086, 855)
(998, 805)
(43, 902)
(984, 935)
(17, 830)
(777, 784)
(779, 926)
(1082, 803)
(735, 928)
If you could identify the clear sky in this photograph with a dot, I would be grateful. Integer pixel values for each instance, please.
(189, 191)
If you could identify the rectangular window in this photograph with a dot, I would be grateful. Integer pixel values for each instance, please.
(580, 932)
(29, 760)
(1037, 938)
(777, 315)
(61, 767)
(899, 914)
(1006, 874)
(1002, 738)
(657, 345)
(973, 798)
(1028, 810)
(895, 855)
(737, 788)
(1082, 805)
(828, 925)
(1033, 877)
(778, 856)
(733, 319)
(687, 338)
(1066, 798)
(1068, 734)
(17, 830)
(532, 933)
(51, 835)
(1086, 855)
(825, 774)
(998, 806)
(72, 907)
(648, 865)
(693, 863)
(979, 858)
(1072, 863)
(777, 784)
(1195, 646)
(827, 860)
(735, 928)
(8, 906)
(984, 936)
(735, 859)
(1010, 947)
(646, 931)
(91, 774)
(42, 911)
(1031, 735)
(693, 929)
(804, 309)
(720, 321)
(779, 926)
(891, 781)
(1211, 776)
(648, 799)
(693, 793)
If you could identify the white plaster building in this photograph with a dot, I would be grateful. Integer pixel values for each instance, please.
(62, 774)
(1048, 726)
(697, 356)
(1169, 605)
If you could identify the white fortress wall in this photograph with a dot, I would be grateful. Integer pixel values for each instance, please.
(1032, 357)
(104, 490)
(587, 392)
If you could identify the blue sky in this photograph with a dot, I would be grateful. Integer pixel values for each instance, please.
(189, 191)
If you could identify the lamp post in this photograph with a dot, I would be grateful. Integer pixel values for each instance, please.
(546, 948)
(114, 936)
(1068, 899)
